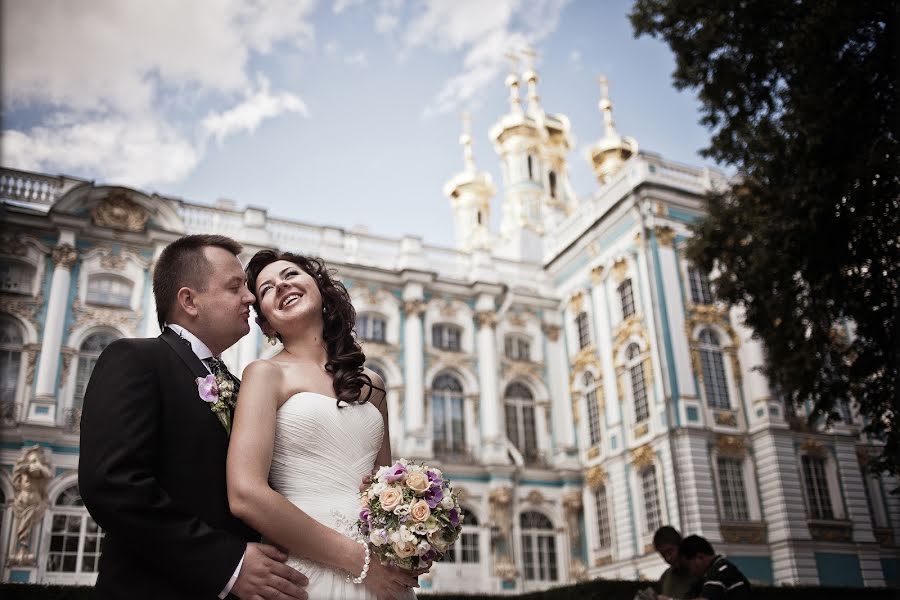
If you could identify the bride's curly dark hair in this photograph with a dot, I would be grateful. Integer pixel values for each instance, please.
(345, 357)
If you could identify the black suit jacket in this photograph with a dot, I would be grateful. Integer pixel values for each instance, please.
(152, 474)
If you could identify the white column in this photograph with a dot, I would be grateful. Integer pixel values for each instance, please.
(413, 353)
(493, 435)
(43, 407)
(248, 344)
(604, 349)
(675, 312)
(563, 422)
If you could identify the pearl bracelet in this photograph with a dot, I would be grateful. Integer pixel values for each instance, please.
(365, 569)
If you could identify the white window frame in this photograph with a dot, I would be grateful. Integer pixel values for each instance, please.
(106, 298)
(454, 444)
(740, 495)
(68, 506)
(652, 522)
(712, 355)
(541, 544)
(594, 419)
(627, 300)
(517, 347)
(442, 337)
(698, 285)
(368, 325)
(26, 281)
(829, 485)
(583, 330)
(13, 351)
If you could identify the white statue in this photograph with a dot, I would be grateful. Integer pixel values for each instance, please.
(31, 474)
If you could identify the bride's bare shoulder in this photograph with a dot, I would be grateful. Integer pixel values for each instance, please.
(264, 370)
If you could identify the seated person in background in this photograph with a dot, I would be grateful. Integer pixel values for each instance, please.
(718, 579)
(676, 581)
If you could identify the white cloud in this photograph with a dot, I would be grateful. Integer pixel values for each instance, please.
(359, 58)
(118, 149)
(485, 31)
(342, 5)
(331, 48)
(246, 116)
(575, 59)
(97, 72)
(385, 23)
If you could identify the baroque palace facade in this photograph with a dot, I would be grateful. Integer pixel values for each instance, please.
(570, 373)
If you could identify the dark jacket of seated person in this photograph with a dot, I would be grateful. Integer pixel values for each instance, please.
(718, 579)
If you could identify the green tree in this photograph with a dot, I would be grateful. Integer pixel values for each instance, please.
(801, 99)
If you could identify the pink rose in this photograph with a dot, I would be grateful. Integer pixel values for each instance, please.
(418, 483)
(404, 549)
(420, 511)
(390, 499)
(209, 391)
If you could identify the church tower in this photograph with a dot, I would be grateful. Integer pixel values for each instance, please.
(470, 192)
(532, 146)
(611, 151)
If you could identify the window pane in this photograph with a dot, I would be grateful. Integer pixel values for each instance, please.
(651, 499)
(603, 537)
(584, 333)
(639, 391)
(700, 292)
(626, 296)
(112, 291)
(16, 277)
(714, 381)
(593, 412)
(817, 495)
(734, 498)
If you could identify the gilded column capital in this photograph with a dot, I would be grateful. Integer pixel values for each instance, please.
(597, 275)
(64, 256)
(595, 477)
(643, 456)
(413, 308)
(665, 235)
(576, 302)
(486, 318)
(619, 270)
(551, 331)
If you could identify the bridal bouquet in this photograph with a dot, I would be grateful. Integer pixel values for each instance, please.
(409, 514)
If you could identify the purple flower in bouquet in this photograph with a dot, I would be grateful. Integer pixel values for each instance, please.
(428, 556)
(433, 496)
(454, 517)
(365, 515)
(397, 472)
(435, 479)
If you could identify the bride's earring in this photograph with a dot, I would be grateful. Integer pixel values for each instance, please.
(273, 340)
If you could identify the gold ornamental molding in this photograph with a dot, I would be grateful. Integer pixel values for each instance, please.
(620, 270)
(631, 327)
(551, 331)
(486, 318)
(597, 275)
(642, 457)
(813, 447)
(602, 561)
(743, 533)
(725, 418)
(31, 352)
(593, 452)
(731, 445)
(118, 211)
(64, 256)
(124, 319)
(576, 302)
(413, 308)
(26, 308)
(577, 571)
(448, 309)
(536, 498)
(665, 235)
(595, 477)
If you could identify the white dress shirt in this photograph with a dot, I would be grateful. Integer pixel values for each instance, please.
(203, 352)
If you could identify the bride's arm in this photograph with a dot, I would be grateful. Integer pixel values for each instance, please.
(251, 498)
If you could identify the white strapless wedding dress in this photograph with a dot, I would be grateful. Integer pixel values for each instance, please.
(320, 456)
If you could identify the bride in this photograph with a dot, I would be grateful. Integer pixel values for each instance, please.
(310, 424)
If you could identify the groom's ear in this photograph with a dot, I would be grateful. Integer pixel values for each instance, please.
(186, 300)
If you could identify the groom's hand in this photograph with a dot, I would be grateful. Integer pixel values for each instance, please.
(265, 576)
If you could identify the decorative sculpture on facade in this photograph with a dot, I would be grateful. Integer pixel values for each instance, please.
(30, 477)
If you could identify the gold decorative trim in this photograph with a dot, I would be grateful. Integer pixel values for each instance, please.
(620, 270)
(731, 445)
(597, 275)
(118, 211)
(641, 430)
(413, 308)
(602, 561)
(725, 418)
(536, 498)
(831, 531)
(743, 533)
(665, 235)
(595, 477)
(633, 326)
(551, 331)
(64, 256)
(486, 318)
(593, 452)
(576, 302)
(813, 447)
(643, 456)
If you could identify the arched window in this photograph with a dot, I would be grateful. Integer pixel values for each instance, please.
(584, 330)
(11, 341)
(517, 347)
(446, 336)
(593, 409)
(699, 283)
(447, 417)
(109, 290)
(552, 179)
(88, 354)
(714, 383)
(75, 539)
(371, 327)
(520, 429)
(604, 534)
(466, 548)
(626, 297)
(652, 509)
(16, 277)
(538, 547)
(638, 383)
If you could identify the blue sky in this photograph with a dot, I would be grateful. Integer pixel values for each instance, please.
(340, 112)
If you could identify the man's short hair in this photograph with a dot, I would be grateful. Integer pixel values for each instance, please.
(183, 264)
(693, 545)
(666, 535)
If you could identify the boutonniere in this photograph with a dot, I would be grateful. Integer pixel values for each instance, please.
(219, 394)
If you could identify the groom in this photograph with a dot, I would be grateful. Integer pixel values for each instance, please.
(152, 467)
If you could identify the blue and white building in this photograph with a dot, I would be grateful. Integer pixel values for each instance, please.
(571, 372)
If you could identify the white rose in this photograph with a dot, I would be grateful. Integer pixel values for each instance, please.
(376, 537)
(447, 502)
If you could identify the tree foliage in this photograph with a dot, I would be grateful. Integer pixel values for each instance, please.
(801, 98)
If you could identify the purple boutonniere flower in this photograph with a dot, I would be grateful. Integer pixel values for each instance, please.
(208, 388)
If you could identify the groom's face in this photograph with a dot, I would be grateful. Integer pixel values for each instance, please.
(224, 307)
